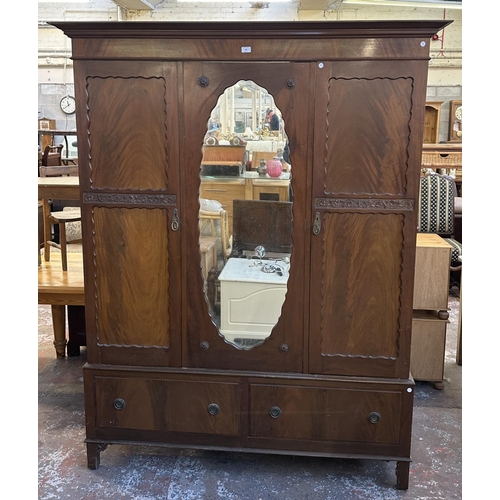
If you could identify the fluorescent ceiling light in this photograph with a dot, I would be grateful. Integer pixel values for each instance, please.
(446, 4)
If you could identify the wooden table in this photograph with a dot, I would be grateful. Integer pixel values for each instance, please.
(59, 188)
(59, 289)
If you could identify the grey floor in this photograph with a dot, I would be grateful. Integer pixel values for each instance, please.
(144, 473)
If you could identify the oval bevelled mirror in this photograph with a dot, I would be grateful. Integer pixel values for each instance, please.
(245, 214)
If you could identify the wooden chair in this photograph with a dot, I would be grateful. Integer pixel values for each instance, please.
(210, 212)
(52, 156)
(60, 217)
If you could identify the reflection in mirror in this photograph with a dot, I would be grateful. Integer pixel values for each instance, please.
(245, 214)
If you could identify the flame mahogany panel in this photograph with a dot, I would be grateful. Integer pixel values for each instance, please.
(368, 153)
(131, 114)
(132, 276)
(357, 306)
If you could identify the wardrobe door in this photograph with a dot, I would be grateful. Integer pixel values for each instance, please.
(282, 349)
(368, 133)
(128, 154)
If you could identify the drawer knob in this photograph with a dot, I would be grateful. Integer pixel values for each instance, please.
(213, 409)
(374, 417)
(275, 411)
(203, 81)
(284, 347)
(119, 404)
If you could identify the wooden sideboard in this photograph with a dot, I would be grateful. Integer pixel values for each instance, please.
(227, 189)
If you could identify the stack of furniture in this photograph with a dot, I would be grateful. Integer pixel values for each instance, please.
(333, 378)
(430, 308)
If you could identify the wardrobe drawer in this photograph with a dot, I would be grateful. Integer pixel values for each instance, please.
(162, 404)
(331, 414)
(130, 403)
(223, 192)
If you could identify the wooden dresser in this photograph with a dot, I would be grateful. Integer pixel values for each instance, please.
(430, 304)
(227, 189)
(333, 378)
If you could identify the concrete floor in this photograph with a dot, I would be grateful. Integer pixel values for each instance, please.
(147, 473)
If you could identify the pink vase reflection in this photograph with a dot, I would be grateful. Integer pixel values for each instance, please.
(274, 167)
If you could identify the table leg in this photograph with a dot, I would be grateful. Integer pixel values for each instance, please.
(47, 229)
(59, 326)
(67, 147)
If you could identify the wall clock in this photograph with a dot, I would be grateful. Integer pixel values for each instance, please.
(455, 121)
(68, 104)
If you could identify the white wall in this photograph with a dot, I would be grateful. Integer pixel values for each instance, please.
(55, 71)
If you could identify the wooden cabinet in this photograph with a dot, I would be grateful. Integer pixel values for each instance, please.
(431, 122)
(430, 304)
(428, 347)
(45, 139)
(432, 273)
(333, 377)
(227, 189)
(270, 189)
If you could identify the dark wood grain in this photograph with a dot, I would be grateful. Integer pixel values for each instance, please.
(358, 292)
(131, 114)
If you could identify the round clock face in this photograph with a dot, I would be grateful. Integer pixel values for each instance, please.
(68, 104)
(458, 113)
